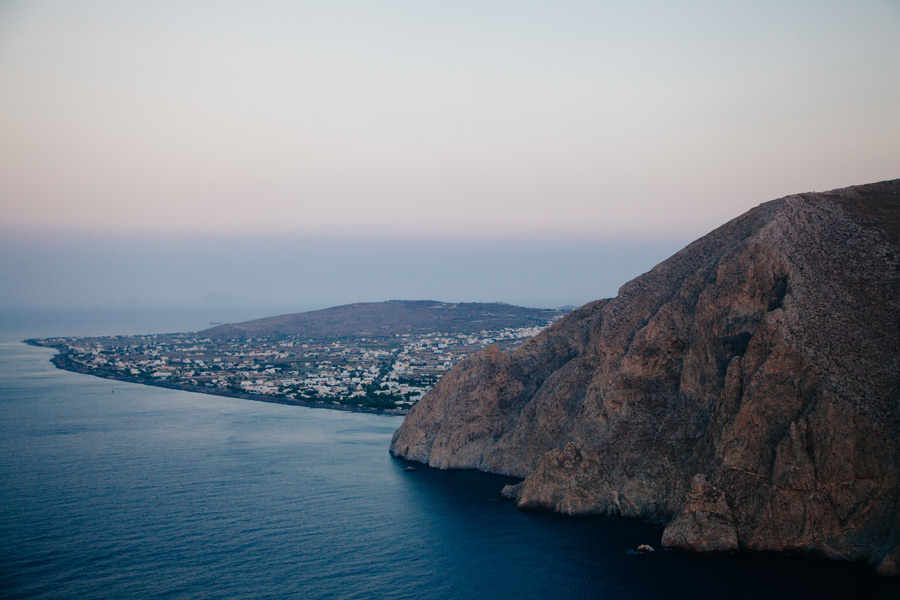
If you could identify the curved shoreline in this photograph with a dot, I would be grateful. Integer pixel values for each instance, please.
(61, 361)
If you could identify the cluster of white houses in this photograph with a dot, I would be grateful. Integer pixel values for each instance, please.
(385, 373)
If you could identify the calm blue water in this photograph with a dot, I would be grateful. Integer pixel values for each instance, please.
(115, 490)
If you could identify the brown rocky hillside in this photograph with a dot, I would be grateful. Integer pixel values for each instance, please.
(745, 392)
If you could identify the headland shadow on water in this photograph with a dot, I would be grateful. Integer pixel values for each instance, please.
(608, 544)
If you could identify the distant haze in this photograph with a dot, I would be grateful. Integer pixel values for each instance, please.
(285, 274)
(320, 152)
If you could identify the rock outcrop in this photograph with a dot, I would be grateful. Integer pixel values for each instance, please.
(745, 392)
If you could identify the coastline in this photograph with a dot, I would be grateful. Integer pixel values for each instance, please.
(61, 361)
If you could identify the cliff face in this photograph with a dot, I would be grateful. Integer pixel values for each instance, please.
(746, 391)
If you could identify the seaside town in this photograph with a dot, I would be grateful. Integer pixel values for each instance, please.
(373, 374)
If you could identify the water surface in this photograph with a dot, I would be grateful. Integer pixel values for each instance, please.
(113, 490)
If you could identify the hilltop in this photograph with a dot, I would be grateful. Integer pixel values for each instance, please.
(387, 319)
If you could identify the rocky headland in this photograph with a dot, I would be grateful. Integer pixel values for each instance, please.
(745, 392)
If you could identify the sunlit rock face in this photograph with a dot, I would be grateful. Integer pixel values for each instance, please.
(745, 392)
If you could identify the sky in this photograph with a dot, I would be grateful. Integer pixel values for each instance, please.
(321, 152)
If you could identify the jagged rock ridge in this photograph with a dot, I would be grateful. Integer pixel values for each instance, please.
(745, 392)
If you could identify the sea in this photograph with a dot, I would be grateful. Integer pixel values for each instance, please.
(117, 490)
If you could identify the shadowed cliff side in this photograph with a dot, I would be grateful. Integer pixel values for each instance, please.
(746, 391)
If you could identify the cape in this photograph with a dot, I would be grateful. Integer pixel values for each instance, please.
(745, 392)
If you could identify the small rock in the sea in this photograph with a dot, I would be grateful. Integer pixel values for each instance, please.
(409, 469)
(644, 549)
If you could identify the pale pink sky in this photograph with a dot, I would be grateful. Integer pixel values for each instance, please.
(511, 118)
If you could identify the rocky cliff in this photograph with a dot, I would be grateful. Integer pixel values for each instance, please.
(745, 392)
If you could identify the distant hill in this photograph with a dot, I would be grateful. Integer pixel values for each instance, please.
(386, 319)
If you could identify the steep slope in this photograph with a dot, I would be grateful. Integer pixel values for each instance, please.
(746, 391)
(385, 319)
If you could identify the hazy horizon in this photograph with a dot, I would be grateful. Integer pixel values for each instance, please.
(318, 153)
(294, 274)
